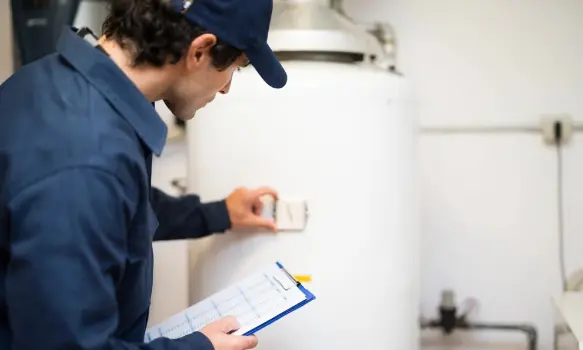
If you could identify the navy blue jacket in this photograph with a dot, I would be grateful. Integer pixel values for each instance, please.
(77, 212)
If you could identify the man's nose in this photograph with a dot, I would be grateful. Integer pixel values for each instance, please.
(226, 88)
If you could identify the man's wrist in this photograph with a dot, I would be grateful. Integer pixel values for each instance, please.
(217, 216)
(198, 341)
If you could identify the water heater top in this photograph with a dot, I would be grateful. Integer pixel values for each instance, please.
(311, 26)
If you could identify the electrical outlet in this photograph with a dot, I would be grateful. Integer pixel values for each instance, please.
(549, 125)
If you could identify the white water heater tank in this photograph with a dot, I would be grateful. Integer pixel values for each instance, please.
(340, 136)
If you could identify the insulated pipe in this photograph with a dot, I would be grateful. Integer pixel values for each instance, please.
(37, 26)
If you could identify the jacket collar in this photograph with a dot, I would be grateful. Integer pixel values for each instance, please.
(116, 87)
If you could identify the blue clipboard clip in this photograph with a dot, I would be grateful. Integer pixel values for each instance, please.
(309, 298)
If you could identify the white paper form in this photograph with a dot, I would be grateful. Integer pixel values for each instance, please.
(253, 301)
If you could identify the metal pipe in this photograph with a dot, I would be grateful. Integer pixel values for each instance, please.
(449, 320)
(461, 324)
(529, 330)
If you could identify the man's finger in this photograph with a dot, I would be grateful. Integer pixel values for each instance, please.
(229, 324)
(257, 207)
(263, 191)
(245, 342)
(266, 224)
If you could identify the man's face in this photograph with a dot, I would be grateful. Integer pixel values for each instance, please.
(197, 80)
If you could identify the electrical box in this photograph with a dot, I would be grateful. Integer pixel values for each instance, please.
(37, 25)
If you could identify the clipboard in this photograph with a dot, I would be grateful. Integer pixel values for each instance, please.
(257, 302)
(309, 298)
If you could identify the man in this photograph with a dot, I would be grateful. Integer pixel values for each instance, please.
(77, 135)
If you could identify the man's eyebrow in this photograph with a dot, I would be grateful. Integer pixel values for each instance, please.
(245, 63)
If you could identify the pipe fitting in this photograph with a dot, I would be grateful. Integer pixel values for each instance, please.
(449, 320)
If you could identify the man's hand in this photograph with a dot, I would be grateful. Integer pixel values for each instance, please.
(217, 332)
(245, 208)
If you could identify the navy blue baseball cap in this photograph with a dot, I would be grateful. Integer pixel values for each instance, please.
(243, 24)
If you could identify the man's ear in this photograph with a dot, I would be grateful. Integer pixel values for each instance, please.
(200, 47)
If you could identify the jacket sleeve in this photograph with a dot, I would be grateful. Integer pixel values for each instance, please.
(186, 217)
(68, 250)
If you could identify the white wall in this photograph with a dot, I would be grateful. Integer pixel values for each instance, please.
(489, 222)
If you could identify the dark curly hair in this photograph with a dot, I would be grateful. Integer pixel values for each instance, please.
(156, 34)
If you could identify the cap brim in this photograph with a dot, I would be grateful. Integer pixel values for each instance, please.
(267, 65)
